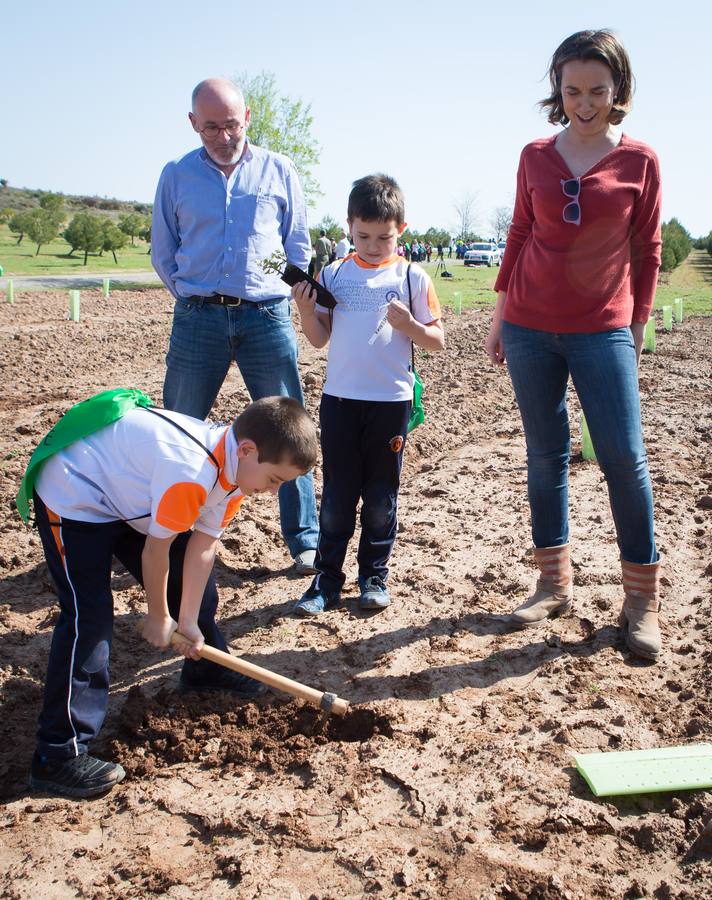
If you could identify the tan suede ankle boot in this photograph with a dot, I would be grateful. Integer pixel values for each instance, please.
(639, 616)
(554, 589)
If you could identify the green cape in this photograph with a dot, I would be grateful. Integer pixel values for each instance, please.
(81, 420)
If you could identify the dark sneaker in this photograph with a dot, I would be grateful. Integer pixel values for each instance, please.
(373, 593)
(315, 601)
(80, 776)
(226, 680)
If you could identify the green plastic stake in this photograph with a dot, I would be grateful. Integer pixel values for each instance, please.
(649, 336)
(74, 306)
(667, 318)
(685, 768)
(106, 285)
(587, 450)
(10, 291)
(457, 296)
(678, 309)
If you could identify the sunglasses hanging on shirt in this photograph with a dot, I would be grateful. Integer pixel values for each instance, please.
(572, 211)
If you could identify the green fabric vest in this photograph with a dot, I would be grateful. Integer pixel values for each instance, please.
(81, 420)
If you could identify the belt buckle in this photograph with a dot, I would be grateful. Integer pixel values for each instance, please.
(230, 301)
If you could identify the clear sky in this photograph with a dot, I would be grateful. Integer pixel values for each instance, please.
(441, 96)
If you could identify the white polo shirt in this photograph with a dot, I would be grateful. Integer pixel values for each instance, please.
(144, 470)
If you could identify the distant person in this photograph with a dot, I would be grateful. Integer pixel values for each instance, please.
(574, 294)
(383, 304)
(219, 212)
(344, 246)
(155, 489)
(322, 250)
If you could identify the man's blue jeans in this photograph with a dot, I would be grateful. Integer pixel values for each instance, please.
(603, 369)
(205, 339)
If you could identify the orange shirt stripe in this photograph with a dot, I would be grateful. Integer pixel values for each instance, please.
(233, 505)
(179, 508)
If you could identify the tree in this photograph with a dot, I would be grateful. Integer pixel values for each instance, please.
(53, 203)
(43, 226)
(132, 225)
(284, 125)
(85, 232)
(437, 236)
(500, 222)
(466, 216)
(6, 213)
(676, 245)
(145, 233)
(114, 238)
(19, 223)
(330, 226)
(3, 182)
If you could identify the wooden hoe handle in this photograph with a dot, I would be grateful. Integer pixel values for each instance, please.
(326, 701)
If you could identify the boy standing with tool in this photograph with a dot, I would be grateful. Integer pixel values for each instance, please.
(384, 305)
(156, 489)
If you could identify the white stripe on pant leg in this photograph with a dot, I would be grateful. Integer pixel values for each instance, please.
(74, 645)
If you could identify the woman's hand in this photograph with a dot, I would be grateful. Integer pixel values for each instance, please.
(194, 640)
(304, 296)
(493, 344)
(638, 332)
(157, 630)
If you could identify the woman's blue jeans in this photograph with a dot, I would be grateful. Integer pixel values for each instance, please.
(603, 369)
(259, 337)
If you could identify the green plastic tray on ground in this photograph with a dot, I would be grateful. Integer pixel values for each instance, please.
(647, 771)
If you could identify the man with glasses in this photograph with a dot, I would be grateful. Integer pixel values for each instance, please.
(220, 210)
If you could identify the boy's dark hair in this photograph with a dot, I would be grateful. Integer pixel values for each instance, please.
(376, 198)
(282, 431)
(603, 46)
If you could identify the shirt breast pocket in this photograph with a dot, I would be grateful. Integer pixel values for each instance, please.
(268, 213)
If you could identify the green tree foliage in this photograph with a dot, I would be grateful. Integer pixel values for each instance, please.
(677, 244)
(19, 223)
(132, 225)
(6, 213)
(43, 226)
(53, 203)
(436, 236)
(330, 226)
(85, 232)
(145, 233)
(282, 124)
(114, 238)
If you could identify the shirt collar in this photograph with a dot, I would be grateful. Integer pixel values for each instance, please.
(231, 463)
(381, 265)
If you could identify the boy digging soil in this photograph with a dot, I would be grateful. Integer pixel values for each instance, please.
(156, 489)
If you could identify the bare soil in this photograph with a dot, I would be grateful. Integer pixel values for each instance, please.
(453, 774)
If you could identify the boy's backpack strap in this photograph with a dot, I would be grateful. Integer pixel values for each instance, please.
(410, 306)
(193, 438)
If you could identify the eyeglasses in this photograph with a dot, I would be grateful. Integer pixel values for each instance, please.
(231, 128)
(572, 211)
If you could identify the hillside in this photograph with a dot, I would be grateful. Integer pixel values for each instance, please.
(29, 198)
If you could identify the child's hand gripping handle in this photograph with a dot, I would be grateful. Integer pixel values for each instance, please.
(327, 701)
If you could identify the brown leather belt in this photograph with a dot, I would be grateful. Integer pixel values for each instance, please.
(219, 299)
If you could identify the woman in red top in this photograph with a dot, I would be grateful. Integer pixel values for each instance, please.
(573, 295)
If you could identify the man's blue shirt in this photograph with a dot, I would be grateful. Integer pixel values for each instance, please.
(210, 233)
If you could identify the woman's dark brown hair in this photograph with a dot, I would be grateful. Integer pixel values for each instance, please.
(603, 46)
